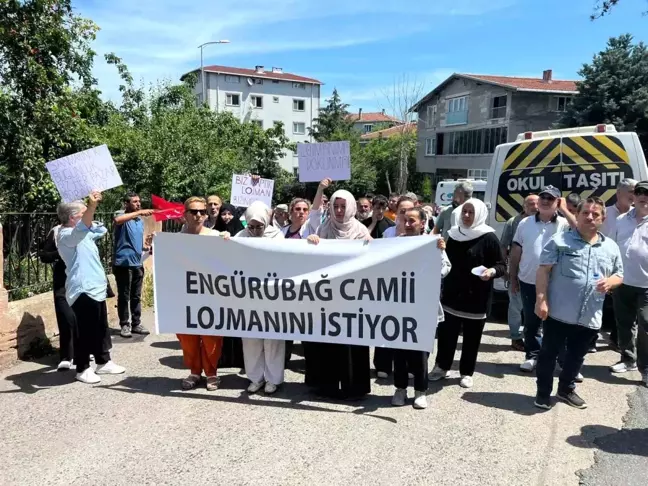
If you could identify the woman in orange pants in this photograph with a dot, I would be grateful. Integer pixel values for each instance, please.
(200, 353)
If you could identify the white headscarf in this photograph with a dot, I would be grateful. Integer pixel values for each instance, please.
(350, 228)
(460, 232)
(259, 212)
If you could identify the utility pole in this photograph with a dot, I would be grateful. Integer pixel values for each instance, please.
(205, 96)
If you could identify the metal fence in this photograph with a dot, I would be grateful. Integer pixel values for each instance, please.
(24, 235)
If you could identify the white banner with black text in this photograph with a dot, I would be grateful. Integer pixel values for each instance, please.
(382, 293)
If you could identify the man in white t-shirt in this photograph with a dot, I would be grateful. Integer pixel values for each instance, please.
(623, 204)
(630, 300)
(531, 236)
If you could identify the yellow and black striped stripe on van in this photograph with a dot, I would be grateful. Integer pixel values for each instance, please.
(589, 165)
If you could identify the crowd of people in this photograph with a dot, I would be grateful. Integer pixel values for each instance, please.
(564, 258)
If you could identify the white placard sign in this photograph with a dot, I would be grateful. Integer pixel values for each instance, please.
(245, 192)
(318, 161)
(382, 293)
(77, 175)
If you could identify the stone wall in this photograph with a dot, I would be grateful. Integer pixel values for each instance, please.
(25, 321)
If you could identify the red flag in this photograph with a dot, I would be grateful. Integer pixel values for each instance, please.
(165, 209)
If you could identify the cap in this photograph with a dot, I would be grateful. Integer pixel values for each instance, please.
(551, 190)
(282, 207)
(641, 188)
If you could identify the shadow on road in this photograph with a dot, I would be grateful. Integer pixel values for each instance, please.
(607, 439)
(511, 402)
(40, 379)
(175, 345)
(294, 394)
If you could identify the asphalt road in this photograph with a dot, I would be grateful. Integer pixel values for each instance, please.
(140, 428)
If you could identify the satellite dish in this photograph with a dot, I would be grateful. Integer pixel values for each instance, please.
(250, 81)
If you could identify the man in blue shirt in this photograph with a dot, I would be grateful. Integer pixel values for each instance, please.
(127, 264)
(577, 268)
(85, 287)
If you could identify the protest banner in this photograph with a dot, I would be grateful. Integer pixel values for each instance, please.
(318, 161)
(381, 293)
(77, 175)
(245, 191)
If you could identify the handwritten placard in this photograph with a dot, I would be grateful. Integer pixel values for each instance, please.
(77, 175)
(318, 161)
(245, 191)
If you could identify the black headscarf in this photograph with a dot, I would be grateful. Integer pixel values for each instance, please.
(234, 226)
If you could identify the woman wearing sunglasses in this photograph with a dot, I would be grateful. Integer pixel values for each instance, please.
(200, 353)
(301, 225)
(264, 358)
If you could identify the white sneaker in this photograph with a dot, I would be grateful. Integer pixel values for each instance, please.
(270, 388)
(410, 376)
(579, 378)
(420, 400)
(110, 368)
(623, 366)
(92, 357)
(64, 365)
(466, 381)
(529, 365)
(399, 398)
(255, 387)
(382, 374)
(88, 376)
(438, 374)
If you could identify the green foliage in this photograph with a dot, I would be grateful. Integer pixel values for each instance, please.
(614, 89)
(333, 122)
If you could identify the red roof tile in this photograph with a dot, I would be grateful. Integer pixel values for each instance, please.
(389, 132)
(254, 74)
(373, 117)
(530, 84)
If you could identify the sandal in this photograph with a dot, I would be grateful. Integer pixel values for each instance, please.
(212, 383)
(190, 382)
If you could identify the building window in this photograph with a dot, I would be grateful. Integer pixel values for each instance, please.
(299, 128)
(560, 103)
(274, 81)
(233, 99)
(257, 101)
(275, 99)
(478, 174)
(259, 123)
(367, 128)
(457, 111)
(232, 79)
(499, 107)
(494, 137)
(431, 116)
(299, 105)
(258, 81)
(299, 85)
(430, 146)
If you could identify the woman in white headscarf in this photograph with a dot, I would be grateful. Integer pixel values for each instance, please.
(263, 358)
(476, 258)
(339, 370)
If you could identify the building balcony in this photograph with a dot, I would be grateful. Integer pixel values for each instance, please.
(457, 117)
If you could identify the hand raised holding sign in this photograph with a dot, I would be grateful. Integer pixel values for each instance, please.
(94, 198)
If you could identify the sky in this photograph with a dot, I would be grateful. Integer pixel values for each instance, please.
(364, 48)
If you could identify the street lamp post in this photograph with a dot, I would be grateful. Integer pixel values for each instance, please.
(202, 68)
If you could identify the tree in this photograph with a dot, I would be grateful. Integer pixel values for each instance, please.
(404, 94)
(614, 89)
(45, 81)
(604, 7)
(333, 120)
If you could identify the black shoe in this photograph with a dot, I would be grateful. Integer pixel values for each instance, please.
(543, 402)
(125, 331)
(517, 344)
(572, 399)
(139, 329)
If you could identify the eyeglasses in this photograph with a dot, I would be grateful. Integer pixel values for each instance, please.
(197, 212)
(255, 227)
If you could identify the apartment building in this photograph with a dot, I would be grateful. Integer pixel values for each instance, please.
(462, 120)
(264, 97)
(370, 121)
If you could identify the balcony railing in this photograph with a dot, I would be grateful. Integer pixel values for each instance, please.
(457, 117)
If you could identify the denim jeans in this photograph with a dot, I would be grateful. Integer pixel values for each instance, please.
(556, 334)
(631, 312)
(515, 314)
(532, 323)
